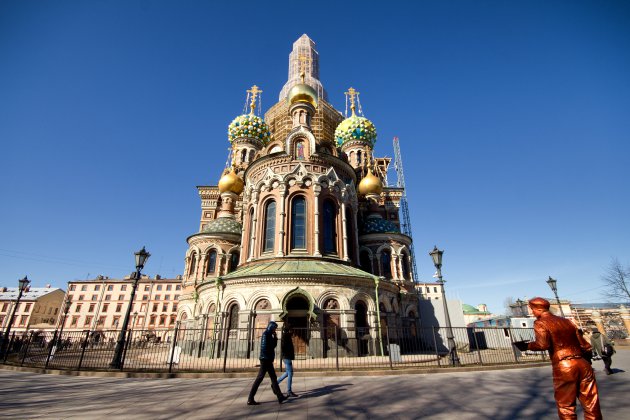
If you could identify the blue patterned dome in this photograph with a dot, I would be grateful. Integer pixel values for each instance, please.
(379, 225)
(223, 225)
(250, 126)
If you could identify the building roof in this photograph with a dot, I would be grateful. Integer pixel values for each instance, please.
(471, 310)
(298, 267)
(32, 294)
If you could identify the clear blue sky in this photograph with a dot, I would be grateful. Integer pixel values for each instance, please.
(513, 117)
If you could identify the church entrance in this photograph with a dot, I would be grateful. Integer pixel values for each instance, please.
(297, 316)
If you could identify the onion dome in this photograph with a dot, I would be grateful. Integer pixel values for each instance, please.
(302, 93)
(370, 184)
(231, 182)
(379, 225)
(249, 126)
(355, 128)
(223, 225)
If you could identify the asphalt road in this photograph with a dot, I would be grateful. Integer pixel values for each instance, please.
(499, 394)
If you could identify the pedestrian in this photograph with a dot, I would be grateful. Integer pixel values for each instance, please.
(599, 342)
(573, 375)
(288, 355)
(268, 343)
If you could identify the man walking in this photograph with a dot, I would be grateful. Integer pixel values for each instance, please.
(572, 374)
(599, 342)
(268, 344)
(288, 354)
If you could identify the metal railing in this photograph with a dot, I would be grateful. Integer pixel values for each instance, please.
(230, 350)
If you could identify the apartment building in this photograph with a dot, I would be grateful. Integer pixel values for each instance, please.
(38, 308)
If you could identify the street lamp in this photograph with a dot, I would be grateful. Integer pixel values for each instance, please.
(141, 258)
(66, 309)
(552, 284)
(22, 287)
(436, 254)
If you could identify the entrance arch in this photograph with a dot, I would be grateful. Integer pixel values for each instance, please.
(297, 310)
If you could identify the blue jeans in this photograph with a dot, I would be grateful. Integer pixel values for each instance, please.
(288, 363)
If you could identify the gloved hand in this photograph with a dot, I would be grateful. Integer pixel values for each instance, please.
(521, 345)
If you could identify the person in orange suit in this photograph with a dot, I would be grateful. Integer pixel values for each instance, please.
(573, 375)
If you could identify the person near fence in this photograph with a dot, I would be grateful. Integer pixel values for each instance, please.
(288, 355)
(602, 348)
(573, 375)
(268, 343)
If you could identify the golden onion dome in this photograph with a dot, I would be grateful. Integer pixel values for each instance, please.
(302, 93)
(232, 183)
(370, 184)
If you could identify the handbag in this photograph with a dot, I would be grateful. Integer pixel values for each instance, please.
(607, 348)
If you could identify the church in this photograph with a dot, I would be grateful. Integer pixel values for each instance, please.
(302, 228)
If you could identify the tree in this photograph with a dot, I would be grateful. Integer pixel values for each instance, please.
(617, 282)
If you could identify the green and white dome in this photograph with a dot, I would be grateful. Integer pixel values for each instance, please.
(355, 128)
(251, 126)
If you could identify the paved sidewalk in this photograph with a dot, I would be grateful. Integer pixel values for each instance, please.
(503, 394)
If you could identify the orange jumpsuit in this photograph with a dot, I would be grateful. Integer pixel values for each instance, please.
(572, 375)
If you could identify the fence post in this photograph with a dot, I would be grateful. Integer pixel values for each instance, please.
(175, 333)
(52, 345)
(83, 347)
(477, 346)
(389, 349)
(28, 344)
(225, 349)
(436, 347)
(337, 347)
(512, 345)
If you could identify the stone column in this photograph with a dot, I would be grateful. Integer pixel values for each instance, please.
(596, 316)
(316, 191)
(283, 213)
(378, 264)
(345, 232)
(355, 212)
(204, 265)
(252, 240)
(625, 316)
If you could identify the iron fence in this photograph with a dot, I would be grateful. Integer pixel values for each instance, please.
(232, 350)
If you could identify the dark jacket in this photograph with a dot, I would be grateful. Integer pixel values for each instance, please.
(268, 344)
(559, 336)
(596, 342)
(286, 345)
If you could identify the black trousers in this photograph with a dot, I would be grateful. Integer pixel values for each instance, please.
(266, 367)
(607, 362)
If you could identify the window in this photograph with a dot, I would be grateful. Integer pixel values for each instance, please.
(155, 307)
(123, 287)
(405, 267)
(178, 287)
(176, 297)
(167, 297)
(4, 307)
(75, 321)
(234, 261)
(212, 262)
(173, 318)
(159, 287)
(193, 264)
(428, 289)
(84, 288)
(145, 297)
(168, 287)
(94, 297)
(78, 308)
(72, 288)
(435, 289)
(105, 307)
(364, 259)
(88, 321)
(91, 308)
(119, 307)
(140, 320)
(298, 223)
(115, 321)
(101, 321)
(270, 227)
(165, 307)
(108, 297)
(97, 287)
(162, 319)
(121, 297)
(174, 307)
(27, 307)
(152, 319)
(157, 297)
(80, 297)
(23, 319)
(330, 227)
(143, 307)
(386, 262)
(110, 288)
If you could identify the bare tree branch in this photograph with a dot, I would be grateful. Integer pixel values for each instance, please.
(617, 282)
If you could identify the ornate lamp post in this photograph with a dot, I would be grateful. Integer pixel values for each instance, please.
(436, 254)
(66, 309)
(141, 258)
(22, 287)
(552, 284)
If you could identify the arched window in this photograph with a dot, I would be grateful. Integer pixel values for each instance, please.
(270, 226)
(193, 264)
(243, 155)
(386, 262)
(405, 267)
(365, 262)
(298, 223)
(251, 230)
(212, 262)
(358, 158)
(252, 153)
(234, 261)
(330, 227)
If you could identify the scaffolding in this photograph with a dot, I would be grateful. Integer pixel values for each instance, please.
(406, 222)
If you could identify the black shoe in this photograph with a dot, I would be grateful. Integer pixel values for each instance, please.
(282, 399)
(291, 394)
(252, 402)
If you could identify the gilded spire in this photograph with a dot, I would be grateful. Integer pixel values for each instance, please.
(352, 94)
(253, 92)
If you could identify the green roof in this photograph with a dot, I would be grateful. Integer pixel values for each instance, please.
(297, 267)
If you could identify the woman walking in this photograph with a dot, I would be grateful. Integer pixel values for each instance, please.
(288, 355)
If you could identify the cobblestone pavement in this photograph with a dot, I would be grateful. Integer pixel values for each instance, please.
(496, 394)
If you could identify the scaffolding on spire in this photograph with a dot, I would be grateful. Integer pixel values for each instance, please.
(406, 221)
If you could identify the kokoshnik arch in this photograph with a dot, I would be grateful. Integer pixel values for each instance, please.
(302, 227)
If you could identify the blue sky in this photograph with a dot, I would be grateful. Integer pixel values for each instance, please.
(513, 119)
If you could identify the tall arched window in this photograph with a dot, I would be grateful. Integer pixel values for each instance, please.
(270, 226)
(386, 263)
(212, 262)
(358, 158)
(193, 264)
(234, 261)
(243, 155)
(330, 227)
(298, 223)
(365, 262)
(405, 267)
(251, 231)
